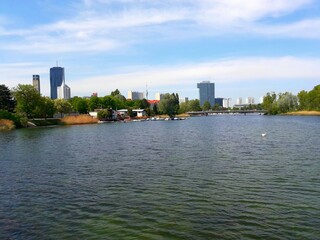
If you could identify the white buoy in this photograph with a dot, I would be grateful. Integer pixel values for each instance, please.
(264, 134)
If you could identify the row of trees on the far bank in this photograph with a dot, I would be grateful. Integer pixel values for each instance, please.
(287, 102)
(25, 102)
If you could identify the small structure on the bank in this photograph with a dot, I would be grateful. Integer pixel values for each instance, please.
(105, 114)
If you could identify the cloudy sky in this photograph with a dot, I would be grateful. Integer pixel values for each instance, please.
(247, 47)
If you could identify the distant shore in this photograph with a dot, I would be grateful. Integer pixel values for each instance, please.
(304, 113)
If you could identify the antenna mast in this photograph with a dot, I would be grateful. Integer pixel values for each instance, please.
(146, 91)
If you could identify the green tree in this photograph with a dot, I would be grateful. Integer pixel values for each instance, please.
(94, 103)
(45, 107)
(155, 109)
(287, 102)
(120, 101)
(80, 105)
(270, 103)
(18, 121)
(194, 105)
(183, 107)
(149, 112)
(115, 92)
(216, 107)
(108, 102)
(314, 96)
(141, 104)
(304, 101)
(6, 100)
(105, 114)
(169, 104)
(130, 112)
(27, 98)
(62, 106)
(206, 106)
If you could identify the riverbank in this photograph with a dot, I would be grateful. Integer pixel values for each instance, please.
(72, 120)
(304, 113)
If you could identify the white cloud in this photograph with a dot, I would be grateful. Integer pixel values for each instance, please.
(228, 71)
(240, 73)
(99, 27)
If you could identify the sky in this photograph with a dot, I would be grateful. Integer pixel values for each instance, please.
(247, 48)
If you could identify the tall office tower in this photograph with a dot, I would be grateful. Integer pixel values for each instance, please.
(135, 95)
(206, 92)
(56, 80)
(36, 82)
(239, 101)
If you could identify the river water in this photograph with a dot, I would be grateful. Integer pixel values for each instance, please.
(203, 178)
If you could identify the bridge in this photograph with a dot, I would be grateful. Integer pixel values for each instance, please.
(211, 112)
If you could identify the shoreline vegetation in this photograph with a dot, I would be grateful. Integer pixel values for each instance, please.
(7, 125)
(24, 106)
(303, 113)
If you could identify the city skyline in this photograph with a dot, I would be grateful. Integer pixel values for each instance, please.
(246, 48)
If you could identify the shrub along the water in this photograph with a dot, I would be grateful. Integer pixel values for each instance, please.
(17, 120)
(6, 124)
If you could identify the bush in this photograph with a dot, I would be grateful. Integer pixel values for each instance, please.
(6, 124)
(81, 119)
(17, 120)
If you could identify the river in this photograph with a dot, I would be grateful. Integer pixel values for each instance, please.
(203, 178)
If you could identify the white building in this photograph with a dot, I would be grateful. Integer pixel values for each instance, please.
(239, 101)
(183, 100)
(64, 91)
(159, 96)
(135, 95)
(250, 100)
(226, 102)
(139, 112)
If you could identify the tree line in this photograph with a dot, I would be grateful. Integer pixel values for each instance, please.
(25, 102)
(287, 102)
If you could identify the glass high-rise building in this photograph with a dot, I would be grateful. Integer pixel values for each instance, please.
(206, 93)
(56, 80)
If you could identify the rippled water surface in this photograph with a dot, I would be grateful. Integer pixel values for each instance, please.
(203, 178)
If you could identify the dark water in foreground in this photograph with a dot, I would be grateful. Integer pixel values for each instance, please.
(203, 178)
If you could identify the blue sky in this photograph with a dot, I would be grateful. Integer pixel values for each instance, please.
(247, 48)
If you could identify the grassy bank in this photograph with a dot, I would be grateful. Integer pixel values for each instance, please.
(69, 120)
(304, 113)
(81, 119)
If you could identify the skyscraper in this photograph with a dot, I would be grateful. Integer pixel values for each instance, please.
(36, 82)
(206, 92)
(56, 80)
